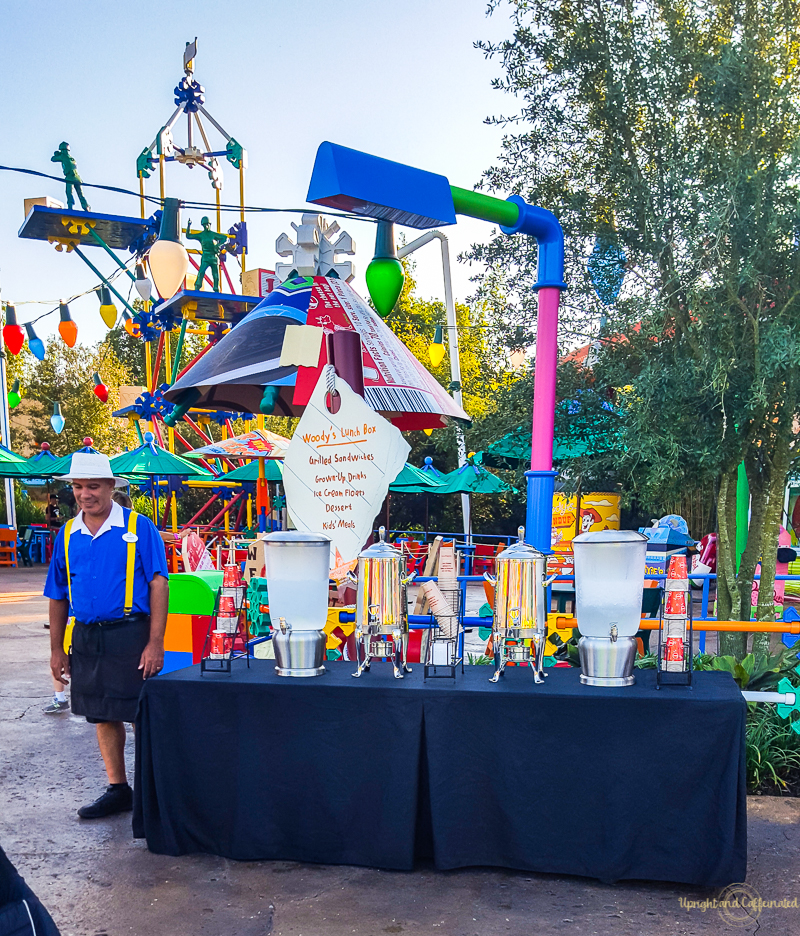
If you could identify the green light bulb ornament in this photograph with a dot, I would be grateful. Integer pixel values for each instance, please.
(14, 397)
(384, 275)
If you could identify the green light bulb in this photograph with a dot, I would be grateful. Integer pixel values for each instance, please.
(384, 278)
(13, 395)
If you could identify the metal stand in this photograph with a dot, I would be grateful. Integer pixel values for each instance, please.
(380, 642)
(518, 646)
(216, 664)
(671, 677)
(451, 644)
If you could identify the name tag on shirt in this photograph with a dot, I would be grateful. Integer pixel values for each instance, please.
(130, 537)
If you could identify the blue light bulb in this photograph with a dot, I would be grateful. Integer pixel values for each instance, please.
(56, 420)
(35, 343)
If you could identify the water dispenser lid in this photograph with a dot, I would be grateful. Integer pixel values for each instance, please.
(521, 549)
(296, 538)
(381, 549)
(610, 536)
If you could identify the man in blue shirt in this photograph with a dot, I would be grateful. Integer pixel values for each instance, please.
(109, 571)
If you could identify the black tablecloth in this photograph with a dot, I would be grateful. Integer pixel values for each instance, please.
(608, 783)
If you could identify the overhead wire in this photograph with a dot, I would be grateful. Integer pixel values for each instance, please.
(256, 209)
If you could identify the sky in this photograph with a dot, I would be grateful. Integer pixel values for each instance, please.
(400, 80)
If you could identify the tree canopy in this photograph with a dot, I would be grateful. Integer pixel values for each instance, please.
(668, 130)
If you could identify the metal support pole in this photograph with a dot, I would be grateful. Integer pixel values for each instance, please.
(111, 253)
(452, 343)
(5, 434)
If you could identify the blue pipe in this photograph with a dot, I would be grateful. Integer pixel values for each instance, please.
(544, 226)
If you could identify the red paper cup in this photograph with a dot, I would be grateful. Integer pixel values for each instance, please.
(677, 568)
(227, 607)
(676, 603)
(674, 651)
(217, 645)
(231, 576)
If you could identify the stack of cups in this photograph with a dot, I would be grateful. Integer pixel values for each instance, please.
(675, 620)
(227, 618)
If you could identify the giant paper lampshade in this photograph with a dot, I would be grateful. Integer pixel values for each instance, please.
(67, 327)
(108, 311)
(35, 343)
(13, 335)
(168, 259)
(57, 420)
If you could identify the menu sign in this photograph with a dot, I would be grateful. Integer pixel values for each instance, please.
(339, 467)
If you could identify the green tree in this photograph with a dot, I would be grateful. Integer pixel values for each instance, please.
(670, 130)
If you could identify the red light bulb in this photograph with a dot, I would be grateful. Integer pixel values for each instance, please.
(100, 391)
(13, 335)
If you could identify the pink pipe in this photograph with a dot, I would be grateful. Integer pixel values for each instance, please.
(544, 384)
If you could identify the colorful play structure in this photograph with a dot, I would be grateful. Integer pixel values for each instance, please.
(342, 179)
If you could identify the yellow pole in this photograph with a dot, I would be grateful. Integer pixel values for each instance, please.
(168, 372)
(219, 213)
(161, 165)
(249, 511)
(141, 193)
(148, 364)
(174, 512)
(241, 204)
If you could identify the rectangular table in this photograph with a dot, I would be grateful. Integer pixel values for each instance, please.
(608, 783)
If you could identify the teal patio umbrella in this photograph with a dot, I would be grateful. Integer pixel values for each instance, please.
(273, 471)
(411, 480)
(472, 479)
(152, 461)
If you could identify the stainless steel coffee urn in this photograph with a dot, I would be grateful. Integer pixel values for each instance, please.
(609, 580)
(382, 607)
(298, 565)
(520, 608)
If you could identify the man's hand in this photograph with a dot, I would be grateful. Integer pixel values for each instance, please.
(152, 660)
(59, 665)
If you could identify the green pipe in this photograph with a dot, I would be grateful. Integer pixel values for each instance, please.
(484, 207)
(100, 276)
(139, 431)
(111, 253)
(178, 349)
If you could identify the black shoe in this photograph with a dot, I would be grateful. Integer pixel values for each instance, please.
(116, 799)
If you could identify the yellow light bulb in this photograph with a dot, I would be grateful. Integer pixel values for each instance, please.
(436, 348)
(108, 313)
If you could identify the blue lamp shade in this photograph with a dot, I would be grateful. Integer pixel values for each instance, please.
(35, 343)
(379, 188)
(57, 420)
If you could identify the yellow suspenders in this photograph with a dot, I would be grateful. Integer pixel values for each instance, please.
(129, 566)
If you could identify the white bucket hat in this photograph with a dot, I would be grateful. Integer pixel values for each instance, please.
(88, 465)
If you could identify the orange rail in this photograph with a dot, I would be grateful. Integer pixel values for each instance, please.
(757, 627)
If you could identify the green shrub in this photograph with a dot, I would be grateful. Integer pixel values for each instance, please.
(772, 751)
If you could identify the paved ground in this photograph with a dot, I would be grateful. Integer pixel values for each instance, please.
(97, 881)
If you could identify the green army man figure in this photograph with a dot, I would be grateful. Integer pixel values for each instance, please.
(211, 242)
(71, 177)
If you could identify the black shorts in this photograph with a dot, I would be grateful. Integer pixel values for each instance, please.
(104, 663)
